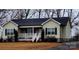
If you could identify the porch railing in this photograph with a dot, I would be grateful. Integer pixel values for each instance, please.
(30, 36)
(25, 35)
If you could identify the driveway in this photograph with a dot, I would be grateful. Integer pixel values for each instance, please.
(67, 46)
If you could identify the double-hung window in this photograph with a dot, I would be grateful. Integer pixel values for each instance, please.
(29, 30)
(9, 31)
(50, 31)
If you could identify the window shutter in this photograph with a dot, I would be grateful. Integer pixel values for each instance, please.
(13, 31)
(55, 30)
(5, 31)
(46, 31)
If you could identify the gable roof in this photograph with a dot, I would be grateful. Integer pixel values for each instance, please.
(38, 21)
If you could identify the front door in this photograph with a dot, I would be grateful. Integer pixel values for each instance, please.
(42, 34)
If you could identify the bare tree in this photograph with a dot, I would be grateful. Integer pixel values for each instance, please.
(39, 12)
(20, 13)
(2, 13)
(71, 16)
(27, 11)
(53, 12)
(47, 12)
(32, 14)
(50, 12)
(63, 12)
(58, 12)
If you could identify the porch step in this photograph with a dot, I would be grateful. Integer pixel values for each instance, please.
(25, 39)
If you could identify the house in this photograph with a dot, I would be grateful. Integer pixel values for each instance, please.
(29, 29)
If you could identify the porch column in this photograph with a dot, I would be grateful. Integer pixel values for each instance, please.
(33, 30)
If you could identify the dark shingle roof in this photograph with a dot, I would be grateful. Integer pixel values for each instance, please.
(37, 21)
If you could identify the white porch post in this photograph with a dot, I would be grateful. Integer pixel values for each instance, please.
(32, 34)
(32, 30)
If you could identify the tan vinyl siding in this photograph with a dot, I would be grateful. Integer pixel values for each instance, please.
(62, 32)
(68, 31)
(65, 31)
(10, 25)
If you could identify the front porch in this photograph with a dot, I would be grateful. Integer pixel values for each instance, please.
(29, 33)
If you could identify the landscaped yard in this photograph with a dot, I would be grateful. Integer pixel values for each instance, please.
(27, 45)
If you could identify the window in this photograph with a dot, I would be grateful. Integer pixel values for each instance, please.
(29, 30)
(51, 31)
(9, 31)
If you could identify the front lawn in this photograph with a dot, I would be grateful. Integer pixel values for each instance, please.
(27, 45)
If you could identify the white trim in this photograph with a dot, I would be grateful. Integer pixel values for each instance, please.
(49, 20)
(11, 22)
(14, 23)
(28, 26)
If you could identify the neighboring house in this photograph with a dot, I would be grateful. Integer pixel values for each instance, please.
(29, 28)
(1, 31)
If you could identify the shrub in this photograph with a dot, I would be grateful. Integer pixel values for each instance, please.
(1, 40)
(62, 40)
(50, 39)
(9, 39)
(16, 35)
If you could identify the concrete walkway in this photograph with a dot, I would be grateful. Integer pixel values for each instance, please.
(66, 46)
